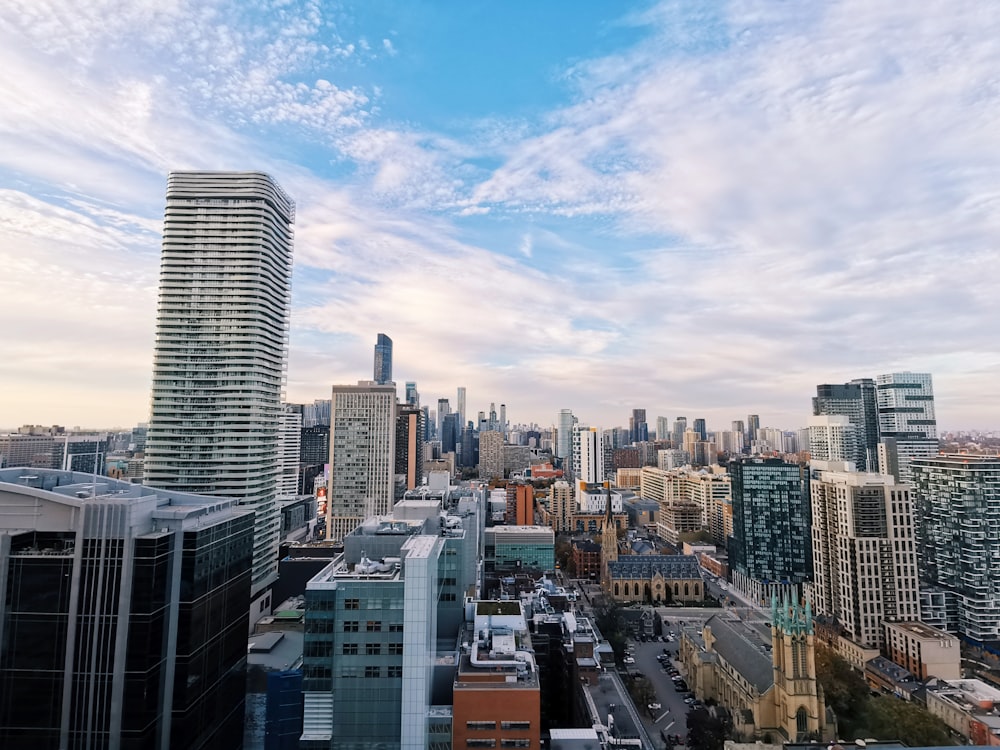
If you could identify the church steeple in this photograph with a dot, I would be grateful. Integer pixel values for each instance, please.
(798, 697)
(609, 539)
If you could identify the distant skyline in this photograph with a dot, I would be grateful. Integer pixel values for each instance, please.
(699, 209)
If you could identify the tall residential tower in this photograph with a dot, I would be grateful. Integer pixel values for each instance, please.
(221, 343)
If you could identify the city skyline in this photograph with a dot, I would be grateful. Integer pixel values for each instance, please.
(735, 203)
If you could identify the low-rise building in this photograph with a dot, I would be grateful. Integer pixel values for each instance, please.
(924, 650)
(969, 707)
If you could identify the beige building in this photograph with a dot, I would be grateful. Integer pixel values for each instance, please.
(710, 491)
(923, 650)
(676, 519)
(490, 455)
(562, 505)
(864, 559)
(765, 676)
(628, 478)
(962, 704)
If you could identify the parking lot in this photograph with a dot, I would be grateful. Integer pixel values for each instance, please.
(671, 717)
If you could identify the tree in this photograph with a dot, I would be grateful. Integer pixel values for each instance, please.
(845, 690)
(889, 718)
(708, 728)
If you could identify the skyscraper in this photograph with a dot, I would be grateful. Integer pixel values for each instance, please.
(564, 434)
(856, 401)
(221, 341)
(662, 428)
(383, 360)
(460, 405)
(680, 427)
(412, 397)
(410, 445)
(289, 450)
(700, 429)
(753, 424)
(362, 455)
(638, 430)
(907, 425)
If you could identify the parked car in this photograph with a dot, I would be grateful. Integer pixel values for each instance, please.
(628, 660)
(654, 706)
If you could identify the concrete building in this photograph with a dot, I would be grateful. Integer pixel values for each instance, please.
(491, 455)
(923, 650)
(564, 434)
(362, 455)
(221, 344)
(957, 499)
(130, 601)
(588, 456)
(834, 438)
(864, 561)
(497, 698)
(562, 507)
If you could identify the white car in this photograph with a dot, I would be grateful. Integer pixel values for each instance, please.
(628, 660)
(654, 706)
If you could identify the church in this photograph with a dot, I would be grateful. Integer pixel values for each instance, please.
(650, 579)
(764, 673)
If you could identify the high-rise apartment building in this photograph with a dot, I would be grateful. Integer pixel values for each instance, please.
(957, 501)
(907, 424)
(864, 561)
(753, 424)
(123, 614)
(770, 547)
(680, 427)
(362, 455)
(383, 360)
(588, 456)
(491, 455)
(856, 401)
(663, 428)
(832, 437)
(410, 445)
(221, 341)
(564, 434)
(460, 405)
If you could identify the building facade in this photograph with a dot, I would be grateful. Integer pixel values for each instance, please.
(771, 545)
(864, 560)
(129, 601)
(362, 455)
(221, 343)
(907, 422)
(957, 499)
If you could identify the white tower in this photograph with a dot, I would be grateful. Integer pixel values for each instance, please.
(221, 343)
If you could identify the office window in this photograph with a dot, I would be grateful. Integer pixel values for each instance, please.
(373, 649)
(349, 649)
(352, 604)
(481, 725)
(515, 725)
(394, 671)
(481, 743)
(350, 626)
(373, 672)
(373, 626)
(396, 627)
(515, 743)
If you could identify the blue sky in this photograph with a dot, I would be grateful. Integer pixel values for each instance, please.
(701, 209)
